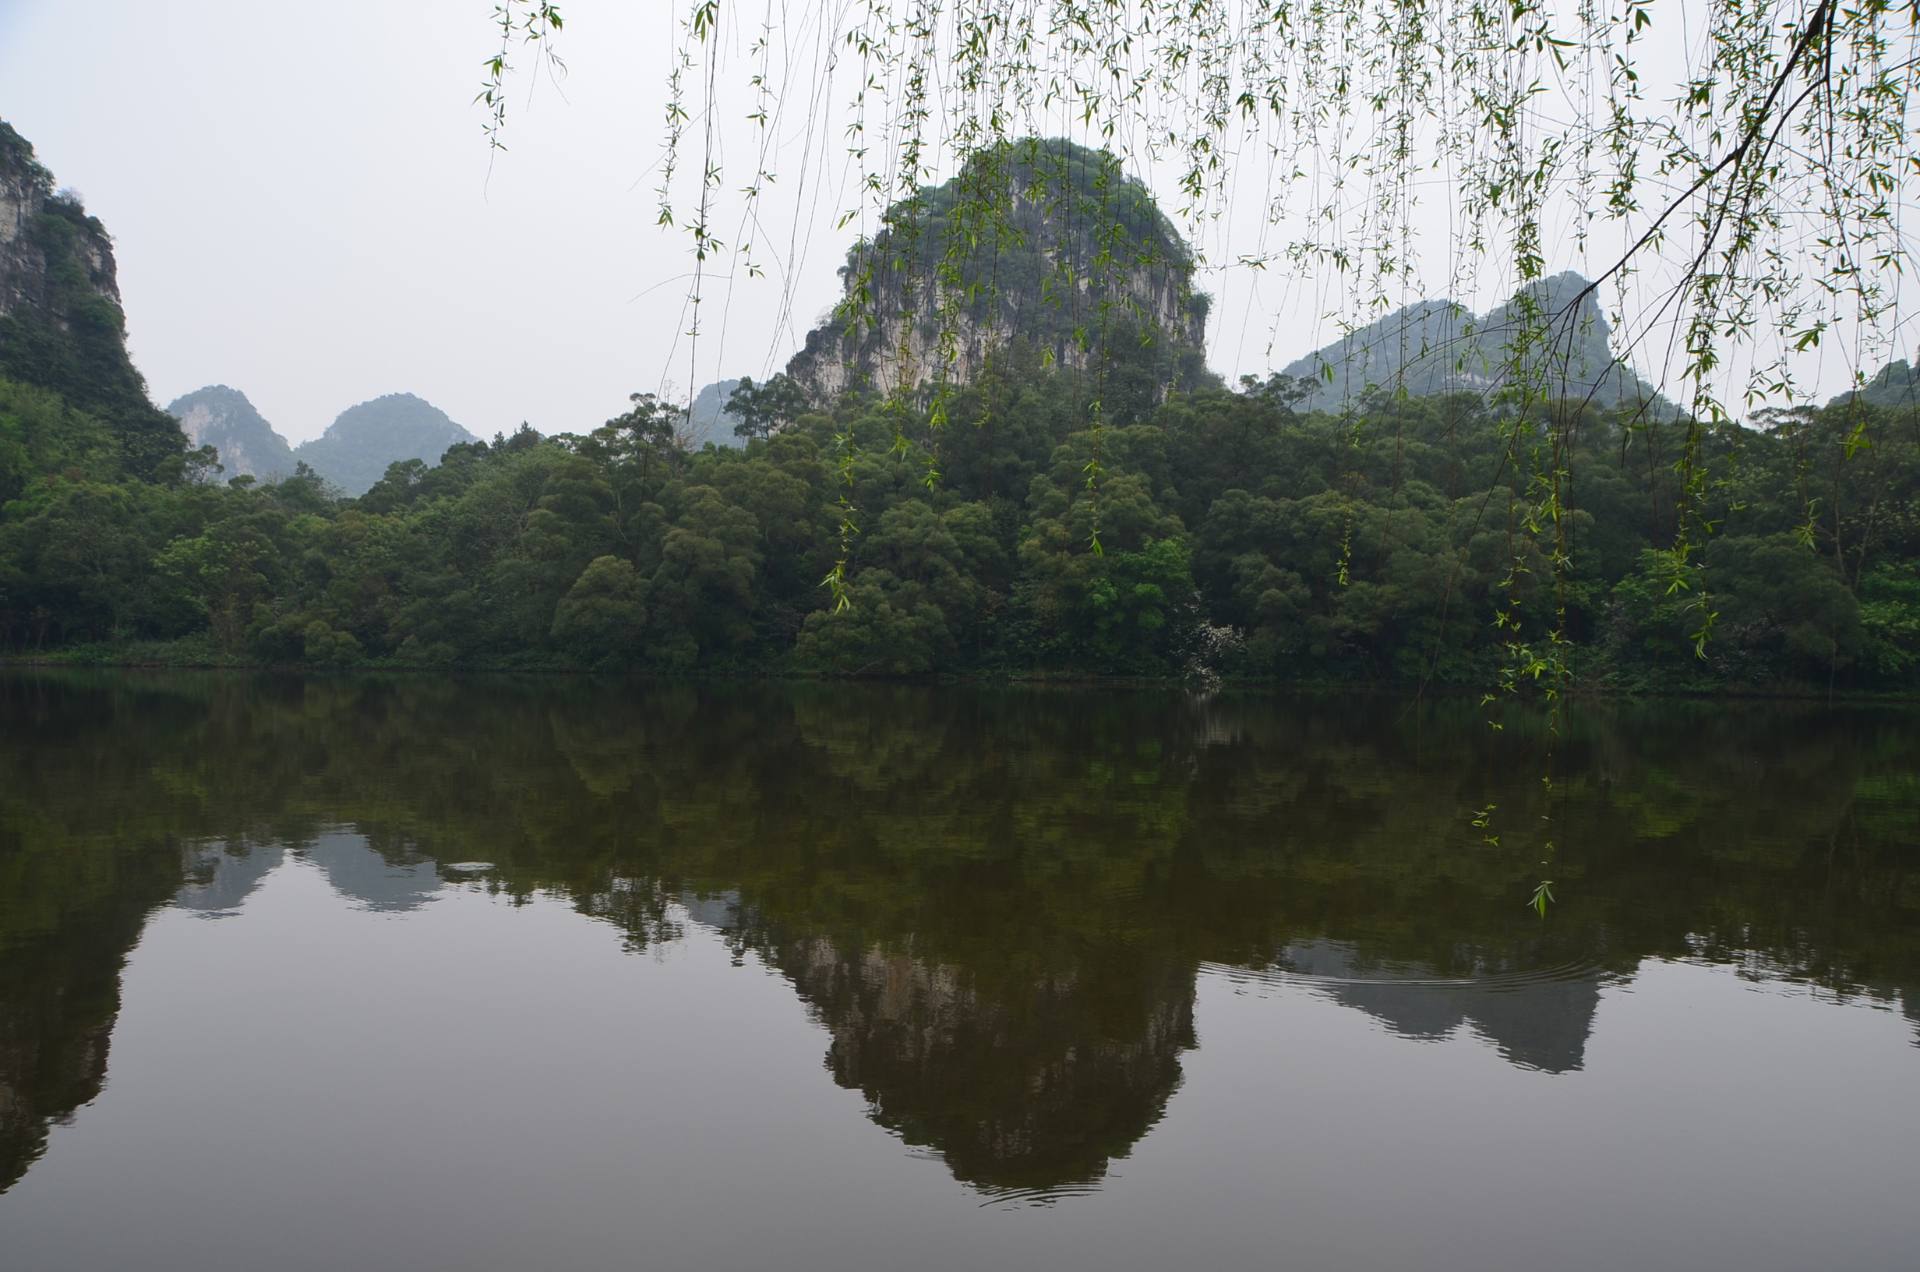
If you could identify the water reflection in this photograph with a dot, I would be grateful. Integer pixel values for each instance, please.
(220, 876)
(997, 904)
(1020, 1084)
(1537, 1018)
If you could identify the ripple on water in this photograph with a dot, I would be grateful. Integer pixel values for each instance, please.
(1048, 1195)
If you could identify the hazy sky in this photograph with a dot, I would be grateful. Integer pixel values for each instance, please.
(303, 208)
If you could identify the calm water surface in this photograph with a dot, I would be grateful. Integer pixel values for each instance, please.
(485, 974)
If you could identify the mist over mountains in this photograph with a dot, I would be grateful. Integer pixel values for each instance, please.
(226, 420)
(708, 419)
(1434, 347)
(358, 446)
(352, 454)
(1896, 385)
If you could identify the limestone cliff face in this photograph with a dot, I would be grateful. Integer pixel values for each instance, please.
(224, 419)
(1041, 243)
(52, 254)
(61, 324)
(1553, 331)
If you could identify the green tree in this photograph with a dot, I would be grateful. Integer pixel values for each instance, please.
(701, 596)
(601, 618)
(763, 409)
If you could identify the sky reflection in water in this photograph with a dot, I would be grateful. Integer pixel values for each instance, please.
(414, 973)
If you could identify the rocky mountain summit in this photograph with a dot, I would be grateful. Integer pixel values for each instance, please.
(224, 419)
(358, 446)
(353, 453)
(1552, 335)
(1045, 244)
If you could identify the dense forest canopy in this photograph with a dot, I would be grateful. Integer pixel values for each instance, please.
(1225, 520)
(1121, 517)
(1729, 175)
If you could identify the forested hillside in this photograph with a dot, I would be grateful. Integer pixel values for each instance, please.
(1219, 510)
(244, 444)
(364, 440)
(1015, 529)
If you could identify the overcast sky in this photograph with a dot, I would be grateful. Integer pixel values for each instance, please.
(303, 207)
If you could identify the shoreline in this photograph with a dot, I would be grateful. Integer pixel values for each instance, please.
(1030, 678)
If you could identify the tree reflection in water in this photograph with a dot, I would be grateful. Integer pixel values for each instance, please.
(996, 902)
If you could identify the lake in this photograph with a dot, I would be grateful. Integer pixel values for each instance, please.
(502, 974)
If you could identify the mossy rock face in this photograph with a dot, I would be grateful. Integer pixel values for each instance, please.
(1042, 245)
(61, 324)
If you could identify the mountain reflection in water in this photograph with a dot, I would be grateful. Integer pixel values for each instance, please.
(997, 904)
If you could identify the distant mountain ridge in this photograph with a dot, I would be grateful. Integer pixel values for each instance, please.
(707, 417)
(223, 418)
(1896, 385)
(363, 440)
(353, 453)
(1434, 347)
